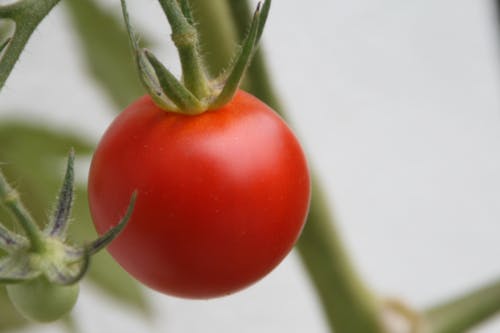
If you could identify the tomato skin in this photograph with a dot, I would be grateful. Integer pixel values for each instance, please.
(222, 196)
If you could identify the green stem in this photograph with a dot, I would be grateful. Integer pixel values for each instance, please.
(10, 198)
(26, 14)
(185, 38)
(217, 31)
(464, 312)
(348, 304)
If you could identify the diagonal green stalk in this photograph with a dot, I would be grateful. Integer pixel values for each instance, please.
(464, 312)
(10, 198)
(263, 18)
(27, 15)
(186, 11)
(348, 304)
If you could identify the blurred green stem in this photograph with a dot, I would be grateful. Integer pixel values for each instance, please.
(217, 33)
(348, 304)
(27, 15)
(464, 312)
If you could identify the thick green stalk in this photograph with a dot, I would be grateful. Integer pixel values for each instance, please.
(348, 305)
(464, 312)
(26, 14)
(185, 38)
(217, 33)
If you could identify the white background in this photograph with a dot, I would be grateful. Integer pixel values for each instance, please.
(397, 104)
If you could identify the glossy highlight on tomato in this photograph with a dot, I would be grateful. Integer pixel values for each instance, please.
(222, 196)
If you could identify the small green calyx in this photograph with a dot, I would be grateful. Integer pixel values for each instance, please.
(196, 92)
(45, 255)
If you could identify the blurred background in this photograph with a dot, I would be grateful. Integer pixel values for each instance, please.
(397, 104)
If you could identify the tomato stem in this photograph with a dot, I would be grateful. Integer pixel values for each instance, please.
(10, 198)
(198, 92)
(348, 303)
(185, 38)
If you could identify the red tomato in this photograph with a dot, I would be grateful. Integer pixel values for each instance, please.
(222, 196)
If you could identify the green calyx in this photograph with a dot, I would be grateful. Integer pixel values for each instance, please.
(45, 253)
(196, 92)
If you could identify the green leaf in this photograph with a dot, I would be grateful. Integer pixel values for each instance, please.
(33, 159)
(144, 69)
(106, 49)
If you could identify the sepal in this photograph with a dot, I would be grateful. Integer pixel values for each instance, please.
(10, 241)
(231, 79)
(146, 72)
(16, 269)
(58, 225)
(69, 273)
(175, 90)
(112, 233)
(52, 258)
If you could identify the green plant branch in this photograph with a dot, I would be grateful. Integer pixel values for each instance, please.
(185, 37)
(464, 312)
(348, 304)
(27, 15)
